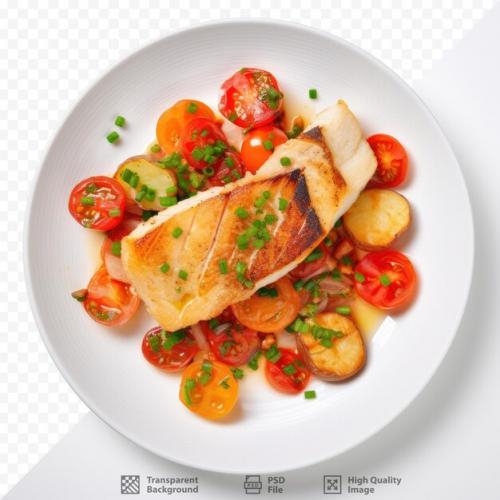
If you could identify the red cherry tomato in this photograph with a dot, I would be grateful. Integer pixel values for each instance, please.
(259, 144)
(203, 143)
(312, 263)
(389, 279)
(97, 203)
(250, 98)
(288, 374)
(169, 351)
(108, 301)
(392, 161)
(228, 170)
(229, 341)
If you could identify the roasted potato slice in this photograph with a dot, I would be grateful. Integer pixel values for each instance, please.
(145, 182)
(377, 218)
(335, 351)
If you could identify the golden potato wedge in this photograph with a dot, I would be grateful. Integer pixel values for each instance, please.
(332, 356)
(377, 218)
(139, 173)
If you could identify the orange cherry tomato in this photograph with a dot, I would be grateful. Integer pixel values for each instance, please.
(271, 308)
(286, 372)
(392, 161)
(108, 301)
(259, 144)
(388, 279)
(169, 351)
(209, 389)
(173, 121)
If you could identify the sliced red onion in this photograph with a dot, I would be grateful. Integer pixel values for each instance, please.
(115, 268)
(220, 328)
(333, 286)
(321, 306)
(199, 336)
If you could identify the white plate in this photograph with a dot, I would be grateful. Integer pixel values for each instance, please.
(270, 431)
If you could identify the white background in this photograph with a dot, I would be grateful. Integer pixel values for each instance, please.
(49, 57)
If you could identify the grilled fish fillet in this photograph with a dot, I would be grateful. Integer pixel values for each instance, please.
(331, 163)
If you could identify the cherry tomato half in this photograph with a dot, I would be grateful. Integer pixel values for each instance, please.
(271, 308)
(392, 161)
(229, 341)
(288, 373)
(108, 301)
(389, 279)
(98, 203)
(312, 263)
(259, 144)
(173, 121)
(250, 98)
(169, 351)
(229, 169)
(209, 389)
(203, 143)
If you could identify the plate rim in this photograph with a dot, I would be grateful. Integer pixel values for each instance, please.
(200, 26)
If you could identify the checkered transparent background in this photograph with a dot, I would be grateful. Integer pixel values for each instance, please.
(50, 54)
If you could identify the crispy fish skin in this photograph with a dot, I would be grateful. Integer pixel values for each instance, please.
(331, 164)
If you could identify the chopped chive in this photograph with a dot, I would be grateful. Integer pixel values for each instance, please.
(266, 195)
(336, 274)
(316, 254)
(290, 369)
(241, 267)
(183, 275)
(267, 292)
(242, 241)
(165, 267)
(232, 117)
(113, 137)
(114, 212)
(313, 94)
(295, 132)
(120, 121)
(223, 383)
(268, 145)
(385, 280)
(298, 285)
(141, 195)
(192, 107)
(310, 394)
(253, 364)
(326, 343)
(328, 242)
(197, 153)
(91, 188)
(285, 161)
(229, 161)
(172, 339)
(189, 386)
(273, 354)
(196, 180)
(344, 310)
(87, 200)
(171, 190)
(204, 132)
(282, 204)
(258, 243)
(177, 232)
(155, 148)
(204, 378)
(338, 224)
(207, 366)
(134, 180)
(150, 194)
(259, 202)
(238, 373)
(154, 342)
(208, 171)
(213, 323)
(116, 248)
(147, 214)
(223, 266)
(346, 260)
(359, 277)
(126, 175)
(248, 283)
(241, 212)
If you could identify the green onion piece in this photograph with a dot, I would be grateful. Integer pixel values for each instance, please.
(268, 145)
(290, 369)
(80, 295)
(189, 386)
(385, 280)
(134, 180)
(126, 175)
(344, 310)
(328, 242)
(313, 94)
(120, 121)
(270, 219)
(173, 338)
(196, 180)
(183, 275)
(91, 188)
(242, 241)
(116, 248)
(113, 137)
(224, 383)
(165, 268)
(310, 394)
(266, 195)
(192, 107)
(309, 310)
(229, 161)
(241, 212)
(295, 132)
(141, 194)
(204, 378)
(273, 354)
(154, 342)
(359, 277)
(172, 161)
(316, 254)
(248, 283)
(267, 292)
(253, 364)
(298, 285)
(241, 267)
(155, 148)
(326, 343)
(197, 153)
(259, 202)
(114, 212)
(177, 232)
(258, 244)
(223, 266)
(346, 260)
(87, 200)
(147, 214)
(282, 204)
(209, 171)
(285, 161)
(336, 274)
(299, 326)
(338, 224)
(213, 323)
(207, 366)
(238, 373)
(150, 194)
(232, 117)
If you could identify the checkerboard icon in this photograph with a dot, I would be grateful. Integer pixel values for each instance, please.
(130, 485)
